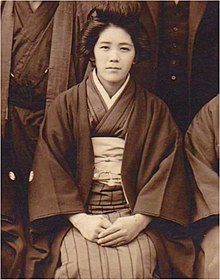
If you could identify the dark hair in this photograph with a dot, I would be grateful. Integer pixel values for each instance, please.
(120, 14)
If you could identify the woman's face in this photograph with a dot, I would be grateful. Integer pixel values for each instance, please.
(114, 54)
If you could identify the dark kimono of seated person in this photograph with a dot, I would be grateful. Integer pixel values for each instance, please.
(202, 148)
(13, 244)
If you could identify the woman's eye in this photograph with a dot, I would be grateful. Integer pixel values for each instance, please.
(124, 49)
(104, 47)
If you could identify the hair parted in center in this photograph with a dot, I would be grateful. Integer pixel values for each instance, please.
(120, 14)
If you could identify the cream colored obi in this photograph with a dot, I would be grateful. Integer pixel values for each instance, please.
(108, 153)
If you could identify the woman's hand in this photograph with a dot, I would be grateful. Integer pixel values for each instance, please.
(123, 230)
(90, 226)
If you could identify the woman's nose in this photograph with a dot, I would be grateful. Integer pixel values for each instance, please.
(113, 56)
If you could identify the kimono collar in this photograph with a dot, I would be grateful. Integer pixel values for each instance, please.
(108, 100)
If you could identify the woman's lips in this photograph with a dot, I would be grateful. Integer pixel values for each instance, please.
(113, 68)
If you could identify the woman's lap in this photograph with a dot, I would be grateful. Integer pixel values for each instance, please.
(81, 258)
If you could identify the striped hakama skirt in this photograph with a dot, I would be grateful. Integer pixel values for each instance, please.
(83, 259)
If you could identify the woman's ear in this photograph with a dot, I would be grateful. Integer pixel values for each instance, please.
(135, 60)
(92, 60)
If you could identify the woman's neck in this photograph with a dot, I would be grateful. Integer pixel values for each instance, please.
(34, 5)
(111, 89)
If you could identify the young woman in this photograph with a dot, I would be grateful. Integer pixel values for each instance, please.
(109, 171)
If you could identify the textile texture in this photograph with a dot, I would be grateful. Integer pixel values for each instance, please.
(152, 175)
(81, 258)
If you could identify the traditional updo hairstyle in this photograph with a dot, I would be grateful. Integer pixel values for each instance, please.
(120, 14)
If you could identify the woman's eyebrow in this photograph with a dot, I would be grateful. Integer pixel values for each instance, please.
(126, 43)
(122, 43)
(104, 42)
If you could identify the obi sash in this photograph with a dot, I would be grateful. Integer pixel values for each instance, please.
(107, 193)
(108, 153)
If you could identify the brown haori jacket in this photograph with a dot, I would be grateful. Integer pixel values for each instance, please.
(152, 174)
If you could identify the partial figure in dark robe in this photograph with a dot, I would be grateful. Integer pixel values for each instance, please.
(109, 196)
(183, 67)
(202, 148)
(39, 60)
(12, 236)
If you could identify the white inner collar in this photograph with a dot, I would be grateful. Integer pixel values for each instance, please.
(109, 101)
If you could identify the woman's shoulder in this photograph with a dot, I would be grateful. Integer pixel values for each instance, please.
(152, 99)
(68, 97)
(69, 94)
(158, 110)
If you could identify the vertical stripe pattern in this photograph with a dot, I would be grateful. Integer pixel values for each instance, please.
(81, 258)
(105, 198)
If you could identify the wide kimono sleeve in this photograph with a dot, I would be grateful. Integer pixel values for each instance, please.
(201, 144)
(162, 188)
(53, 190)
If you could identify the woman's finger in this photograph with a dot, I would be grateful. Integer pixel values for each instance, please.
(120, 244)
(110, 237)
(114, 243)
(110, 230)
(105, 223)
